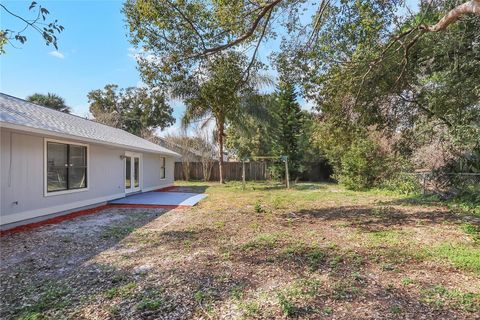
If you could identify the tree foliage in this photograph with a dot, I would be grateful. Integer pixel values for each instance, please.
(288, 118)
(400, 80)
(175, 36)
(50, 100)
(220, 94)
(39, 23)
(285, 131)
(423, 99)
(136, 110)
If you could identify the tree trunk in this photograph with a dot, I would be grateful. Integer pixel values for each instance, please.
(220, 144)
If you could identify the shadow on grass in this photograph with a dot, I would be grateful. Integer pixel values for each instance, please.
(374, 218)
(328, 276)
(274, 186)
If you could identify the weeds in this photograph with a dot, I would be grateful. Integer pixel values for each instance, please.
(262, 241)
(460, 255)
(122, 291)
(439, 296)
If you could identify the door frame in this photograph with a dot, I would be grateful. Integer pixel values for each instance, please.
(132, 156)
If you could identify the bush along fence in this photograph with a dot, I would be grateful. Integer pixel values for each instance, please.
(447, 184)
(254, 171)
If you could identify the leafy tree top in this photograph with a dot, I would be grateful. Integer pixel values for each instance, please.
(136, 110)
(50, 100)
(176, 35)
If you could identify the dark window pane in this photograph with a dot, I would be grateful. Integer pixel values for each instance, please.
(162, 168)
(78, 156)
(57, 166)
(136, 171)
(57, 154)
(57, 179)
(77, 178)
(128, 180)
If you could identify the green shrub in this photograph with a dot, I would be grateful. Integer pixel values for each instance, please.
(468, 201)
(361, 165)
(403, 183)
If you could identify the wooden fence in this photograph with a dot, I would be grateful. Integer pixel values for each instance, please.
(253, 171)
(231, 171)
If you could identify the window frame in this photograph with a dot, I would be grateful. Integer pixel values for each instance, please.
(163, 165)
(45, 168)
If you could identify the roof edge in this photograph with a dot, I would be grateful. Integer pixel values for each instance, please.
(8, 125)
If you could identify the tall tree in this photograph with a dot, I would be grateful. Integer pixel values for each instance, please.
(289, 123)
(38, 23)
(50, 100)
(136, 110)
(219, 94)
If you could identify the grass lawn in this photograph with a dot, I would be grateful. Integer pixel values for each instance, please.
(314, 251)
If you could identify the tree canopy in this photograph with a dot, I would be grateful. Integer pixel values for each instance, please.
(136, 110)
(175, 36)
(50, 100)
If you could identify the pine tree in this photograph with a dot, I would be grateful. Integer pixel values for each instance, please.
(289, 117)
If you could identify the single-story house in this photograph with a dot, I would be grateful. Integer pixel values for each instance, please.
(53, 163)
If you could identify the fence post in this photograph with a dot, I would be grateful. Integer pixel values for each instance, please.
(243, 174)
(287, 178)
(424, 184)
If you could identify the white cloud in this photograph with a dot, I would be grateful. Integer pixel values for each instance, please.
(56, 54)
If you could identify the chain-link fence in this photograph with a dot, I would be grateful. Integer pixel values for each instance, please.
(447, 183)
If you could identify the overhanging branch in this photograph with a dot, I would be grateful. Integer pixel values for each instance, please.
(472, 6)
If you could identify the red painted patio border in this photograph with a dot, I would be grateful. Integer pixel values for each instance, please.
(76, 214)
(55, 220)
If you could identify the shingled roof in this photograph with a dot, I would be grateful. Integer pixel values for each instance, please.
(19, 114)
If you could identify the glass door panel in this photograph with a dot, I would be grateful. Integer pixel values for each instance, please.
(136, 172)
(128, 174)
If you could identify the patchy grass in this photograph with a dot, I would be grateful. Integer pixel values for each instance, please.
(52, 296)
(262, 241)
(313, 251)
(439, 296)
(462, 256)
(149, 305)
(122, 291)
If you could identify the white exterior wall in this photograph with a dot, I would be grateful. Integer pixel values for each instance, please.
(22, 177)
(151, 171)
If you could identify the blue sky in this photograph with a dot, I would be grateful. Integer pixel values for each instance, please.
(93, 51)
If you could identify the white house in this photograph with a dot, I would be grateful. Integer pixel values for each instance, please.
(53, 163)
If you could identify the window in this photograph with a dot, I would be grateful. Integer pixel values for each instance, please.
(162, 168)
(66, 166)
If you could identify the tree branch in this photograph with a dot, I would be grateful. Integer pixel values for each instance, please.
(190, 22)
(247, 71)
(265, 10)
(472, 6)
